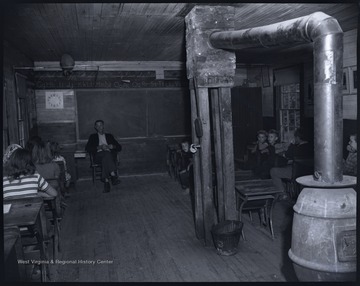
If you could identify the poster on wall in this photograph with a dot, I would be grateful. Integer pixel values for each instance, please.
(54, 100)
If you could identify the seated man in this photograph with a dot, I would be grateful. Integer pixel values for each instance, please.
(103, 147)
(300, 148)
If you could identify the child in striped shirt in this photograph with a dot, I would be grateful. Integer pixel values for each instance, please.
(20, 178)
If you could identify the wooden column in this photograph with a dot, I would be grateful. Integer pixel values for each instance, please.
(224, 153)
(218, 152)
(227, 152)
(206, 166)
(198, 198)
(211, 68)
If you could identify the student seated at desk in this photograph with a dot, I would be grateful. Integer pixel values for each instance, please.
(42, 159)
(20, 178)
(260, 151)
(275, 152)
(56, 157)
(299, 148)
(33, 140)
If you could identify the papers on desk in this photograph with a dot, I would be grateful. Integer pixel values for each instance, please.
(6, 208)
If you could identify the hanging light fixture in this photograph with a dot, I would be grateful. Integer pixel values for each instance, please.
(67, 64)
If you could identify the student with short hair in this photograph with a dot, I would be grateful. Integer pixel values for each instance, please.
(260, 151)
(273, 155)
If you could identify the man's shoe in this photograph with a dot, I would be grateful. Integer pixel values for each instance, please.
(106, 187)
(115, 180)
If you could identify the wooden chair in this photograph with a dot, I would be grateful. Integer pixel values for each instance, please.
(51, 211)
(96, 169)
(62, 176)
(300, 167)
(171, 160)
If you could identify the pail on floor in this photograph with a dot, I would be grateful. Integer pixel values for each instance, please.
(226, 236)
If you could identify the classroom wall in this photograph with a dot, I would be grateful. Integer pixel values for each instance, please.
(257, 76)
(349, 95)
(143, 120)
(350, 63)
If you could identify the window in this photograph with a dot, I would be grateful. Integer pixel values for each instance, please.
(289, 111)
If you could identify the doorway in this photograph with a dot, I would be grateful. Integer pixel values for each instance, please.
(247, 118)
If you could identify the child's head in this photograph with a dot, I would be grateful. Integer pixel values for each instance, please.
(34, 140)
(299, 135)
(185, 146)
(19, 163)
(9, 151)
(273, 136)
(54, 149)
(262, 136)
(41, 153)
(352, 145)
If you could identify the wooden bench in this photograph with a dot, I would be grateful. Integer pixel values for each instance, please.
(256, 195)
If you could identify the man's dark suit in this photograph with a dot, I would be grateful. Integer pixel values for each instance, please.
(105, 158)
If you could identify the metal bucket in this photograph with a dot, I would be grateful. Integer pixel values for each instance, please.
(323, 244)
(226, 236)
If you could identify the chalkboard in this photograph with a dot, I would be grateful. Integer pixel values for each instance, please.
(134, 113)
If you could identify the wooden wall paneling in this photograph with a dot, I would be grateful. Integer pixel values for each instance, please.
(56, 124)
(350, 48)
(198, 198)
(349, 60)
(6, 139)
(350, 106)
(61, 132)
(239, 151)
(55, 115)
(206, 165)
(268, 97)
(215, 110)
(12, 57)
(12, 110)
(227, 153)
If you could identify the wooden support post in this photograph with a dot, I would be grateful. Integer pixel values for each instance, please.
(218, 157)
(206, 166)
(212, 68)
(198, 200)
(227, 153)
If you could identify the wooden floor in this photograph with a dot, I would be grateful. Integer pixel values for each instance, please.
(143, 230)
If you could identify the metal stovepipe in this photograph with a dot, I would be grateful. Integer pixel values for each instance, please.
(327, 37)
